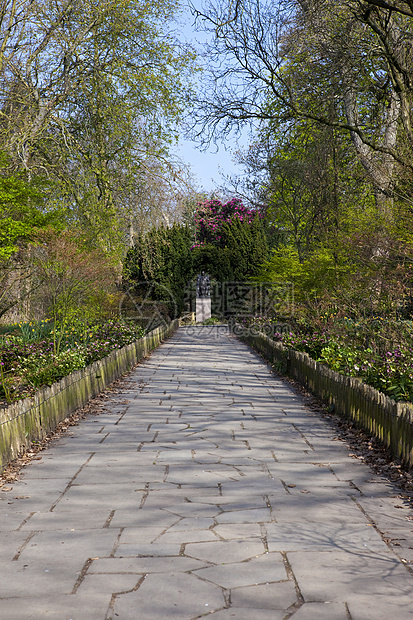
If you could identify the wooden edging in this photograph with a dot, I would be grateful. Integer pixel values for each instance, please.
(33, 418)
(380, 415)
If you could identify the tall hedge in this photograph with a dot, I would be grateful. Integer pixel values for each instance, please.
(242, 249)
(160, 265)
(165, 261)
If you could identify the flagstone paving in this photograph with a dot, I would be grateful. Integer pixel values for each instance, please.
(206, 489)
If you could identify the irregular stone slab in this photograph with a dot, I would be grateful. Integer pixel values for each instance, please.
(187, 536)
(382, 608)
(195, 523)
(287, 455)
(91, 604)
(257, 488)
(401, 541)
(203, 496)
(12, 520)
(193, 510)
(175, 456)
(276, 596)
(36, 487)
(146, 518)
(147, 549)
(76, 545)
(322, 611)
(161, 494)
(28, 503)
(253, 572)
(108, 583)
(59, 520)
(11, 543)
(125, 458)
(244, 504)
(137, 476)
(262, 515)
(237, 531)
(178, 596)
(248, 614)
(353, 470)
(144, 565)
(307, 474)
(199, 476)
(387, 512)
(345, 576)
(324, 537)
(175, 426)
(38, 578)
(311, 507)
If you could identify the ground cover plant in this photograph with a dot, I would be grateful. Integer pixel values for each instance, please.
(29, 360)
(377, 350)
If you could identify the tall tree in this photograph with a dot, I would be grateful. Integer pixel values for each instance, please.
(158, 268)
(298, 55)
(314, 187)
(23, 217)
(90, 96)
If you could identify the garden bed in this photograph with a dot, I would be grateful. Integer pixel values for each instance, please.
(377, 351)
(33, 355)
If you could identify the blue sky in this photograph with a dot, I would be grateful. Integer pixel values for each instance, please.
(208, 167)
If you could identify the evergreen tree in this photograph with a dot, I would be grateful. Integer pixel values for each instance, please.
(159, 266)
(162, 265)
(237, 248)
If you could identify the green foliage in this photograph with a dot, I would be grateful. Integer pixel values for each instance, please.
(215, 261)
(239, 255)
(41, 370)
(27, 363)
(340, 357)
(94, 105)
(324, 272)
(36, 330)
(315, 188)
(283, 266)
(160, 264)
(73, 279)
(247, 245)
(377, 351)
(163, 262)
(22, 210)
(5, 383)
(213, 320)
(390, 372)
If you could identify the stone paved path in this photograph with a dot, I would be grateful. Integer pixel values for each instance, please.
(207, 488)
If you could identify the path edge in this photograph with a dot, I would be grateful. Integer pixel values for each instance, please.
(390, 421)
(33, 418)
